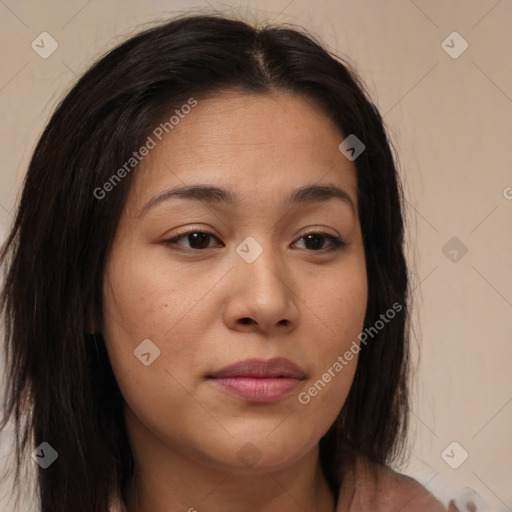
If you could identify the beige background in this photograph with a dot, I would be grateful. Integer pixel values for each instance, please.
(451, 120)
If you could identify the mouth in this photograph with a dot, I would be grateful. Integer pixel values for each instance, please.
(259, 381)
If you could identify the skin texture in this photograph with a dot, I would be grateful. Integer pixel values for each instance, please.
(208, 308)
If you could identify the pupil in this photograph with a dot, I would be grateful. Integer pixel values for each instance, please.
(316, 238)
(200, 239)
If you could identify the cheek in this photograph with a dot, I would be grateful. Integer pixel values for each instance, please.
(147, 297)
(141, 302)
(341, 307)
(144, 301)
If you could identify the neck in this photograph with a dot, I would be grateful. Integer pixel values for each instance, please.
(271, 492)
(168, 480)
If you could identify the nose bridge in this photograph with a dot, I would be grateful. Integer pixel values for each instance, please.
(262, 291)
(260, 262)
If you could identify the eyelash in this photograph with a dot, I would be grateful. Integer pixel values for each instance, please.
(337, 243)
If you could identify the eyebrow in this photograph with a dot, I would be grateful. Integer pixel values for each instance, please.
(214, 194)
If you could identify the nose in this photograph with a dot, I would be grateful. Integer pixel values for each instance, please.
(260, 296)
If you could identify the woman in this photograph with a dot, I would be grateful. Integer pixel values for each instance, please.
(206, 294)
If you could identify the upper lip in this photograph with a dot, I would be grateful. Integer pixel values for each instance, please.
(258, 368)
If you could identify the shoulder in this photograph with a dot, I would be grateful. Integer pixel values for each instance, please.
(378, 488)
(408, 495)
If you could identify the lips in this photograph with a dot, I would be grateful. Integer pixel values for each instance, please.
(259, 381)
(258, 368)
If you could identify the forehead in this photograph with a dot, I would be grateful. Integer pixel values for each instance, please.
(259, 145)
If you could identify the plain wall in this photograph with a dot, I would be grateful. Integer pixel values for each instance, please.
(450, 120)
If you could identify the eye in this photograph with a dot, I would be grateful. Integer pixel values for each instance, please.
(316, 241)
(200, 240)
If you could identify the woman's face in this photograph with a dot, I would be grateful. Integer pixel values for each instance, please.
(248, 283)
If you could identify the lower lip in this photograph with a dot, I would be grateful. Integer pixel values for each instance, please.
(262, 390)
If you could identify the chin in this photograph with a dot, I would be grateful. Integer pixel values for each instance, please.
(253, 453)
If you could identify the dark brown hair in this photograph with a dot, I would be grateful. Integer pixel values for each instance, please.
(60, 385)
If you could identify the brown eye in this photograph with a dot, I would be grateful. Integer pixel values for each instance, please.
(315, 241)
(198, 240)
